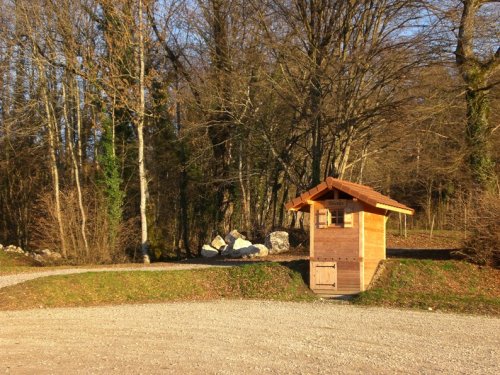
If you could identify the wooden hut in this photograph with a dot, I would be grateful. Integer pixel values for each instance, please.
(347, 234)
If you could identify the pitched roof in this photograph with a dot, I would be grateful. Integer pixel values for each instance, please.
(362, 192)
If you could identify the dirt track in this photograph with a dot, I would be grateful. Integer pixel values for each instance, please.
(237, 337)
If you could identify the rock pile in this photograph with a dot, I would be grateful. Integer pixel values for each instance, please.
(40, 255)
(235, 245)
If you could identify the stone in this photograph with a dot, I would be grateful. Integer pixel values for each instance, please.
(208, 251)
(218, 242)
(240, 248)
(277, 242)
(247, 252)
(45, 252)
(13, 249)
(260, 251)
(55, 256)
(233, 236)
(225, 250)
(241, 243)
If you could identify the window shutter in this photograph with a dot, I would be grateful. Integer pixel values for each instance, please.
(323, 214)
(348, 217)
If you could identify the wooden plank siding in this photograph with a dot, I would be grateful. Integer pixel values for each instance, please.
(374, 241)
(355, 242)
(340, 245)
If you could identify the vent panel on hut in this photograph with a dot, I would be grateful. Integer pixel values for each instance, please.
(347, 234)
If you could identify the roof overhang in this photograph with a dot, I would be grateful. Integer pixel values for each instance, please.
(363, 193)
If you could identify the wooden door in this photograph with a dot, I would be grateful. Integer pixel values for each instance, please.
(323, 275)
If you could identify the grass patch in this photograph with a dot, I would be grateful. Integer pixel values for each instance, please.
(257, 281)
(16, 263)
(440, 285)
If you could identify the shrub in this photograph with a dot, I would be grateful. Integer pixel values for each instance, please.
(483, 241)
(103, 247)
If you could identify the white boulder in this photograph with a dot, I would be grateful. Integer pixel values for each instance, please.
(241, 243)
(277, 242)
(259, 251)
(240, 248)
(218, 242)
(233, 236)
(208, 251)
(45, 252)
(55, 256)
(13, 249)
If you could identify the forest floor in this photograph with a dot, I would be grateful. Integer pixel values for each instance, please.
(422, 239)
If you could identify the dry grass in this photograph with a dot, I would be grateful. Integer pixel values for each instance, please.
(11, 263)
(439, 285)
(256, 281)
(421, 239)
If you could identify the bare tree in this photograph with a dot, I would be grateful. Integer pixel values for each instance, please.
(476, 72)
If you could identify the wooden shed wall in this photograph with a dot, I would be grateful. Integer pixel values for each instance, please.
(374, 241)
(340, 245)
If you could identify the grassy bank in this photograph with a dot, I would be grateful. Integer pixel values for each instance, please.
(256, 281)
(11, 263)
(438, 285)
(453, 286)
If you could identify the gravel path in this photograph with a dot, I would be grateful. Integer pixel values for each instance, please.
(18, 278)
(246, 337)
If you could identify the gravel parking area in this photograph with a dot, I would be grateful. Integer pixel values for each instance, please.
(246, 337)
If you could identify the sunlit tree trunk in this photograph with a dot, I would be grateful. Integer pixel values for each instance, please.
(76, 169)
(51, 130)
(140, 133)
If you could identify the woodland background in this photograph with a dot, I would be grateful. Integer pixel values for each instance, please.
(155, 124)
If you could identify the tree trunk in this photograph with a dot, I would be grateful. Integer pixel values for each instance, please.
(478, 135)
(52, 135)
(245, 194)
(475, 74)
(183, 181)
(53, 165)
(75, 168)
(317, 137)
(140, 134)
(220, 123)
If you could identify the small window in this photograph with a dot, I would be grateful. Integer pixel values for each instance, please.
(337, 216)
